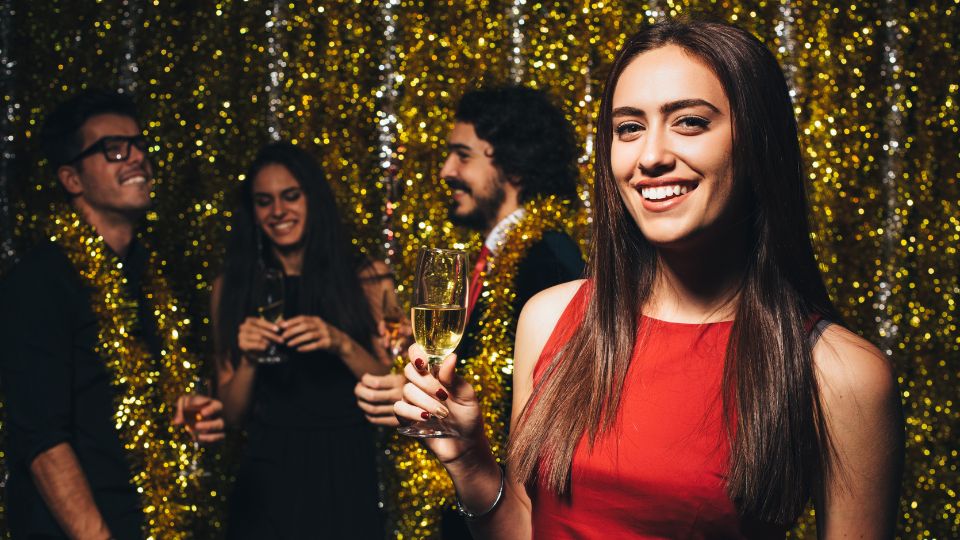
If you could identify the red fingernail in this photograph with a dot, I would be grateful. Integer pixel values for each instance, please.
(442, 394)
(419, 364)
(425, 415)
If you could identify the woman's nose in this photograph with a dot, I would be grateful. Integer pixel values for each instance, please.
(655, 155)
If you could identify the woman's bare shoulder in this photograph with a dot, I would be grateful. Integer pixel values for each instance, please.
(849, 365)
(539, 317)
(548, 304)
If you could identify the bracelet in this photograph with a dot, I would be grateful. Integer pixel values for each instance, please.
(470, 515)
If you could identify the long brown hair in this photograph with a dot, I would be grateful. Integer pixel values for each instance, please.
(779, 443)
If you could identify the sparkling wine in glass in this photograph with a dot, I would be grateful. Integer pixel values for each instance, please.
(270, 307)
(439, 316)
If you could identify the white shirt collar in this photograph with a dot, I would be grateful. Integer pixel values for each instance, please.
(500, 230)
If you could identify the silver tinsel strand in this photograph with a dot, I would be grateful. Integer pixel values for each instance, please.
(785, 28)
(515, 58)
(275, 25)
(127, 67)
(10, 106)
(892, 167)
(387, 124)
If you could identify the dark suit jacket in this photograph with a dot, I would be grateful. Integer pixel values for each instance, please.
(553, 260)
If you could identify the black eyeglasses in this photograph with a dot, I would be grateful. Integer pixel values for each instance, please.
(113, 147)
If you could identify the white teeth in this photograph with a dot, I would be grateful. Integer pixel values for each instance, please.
(283, 226)
(662, 192)
(135, 180)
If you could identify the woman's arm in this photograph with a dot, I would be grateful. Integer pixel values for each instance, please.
(234, 384)
(861, 402)
(468, 459)
(534, 327)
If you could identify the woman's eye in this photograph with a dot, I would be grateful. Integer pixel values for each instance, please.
(626, 129)
(292, 196)
(692, 123)
(262, 201)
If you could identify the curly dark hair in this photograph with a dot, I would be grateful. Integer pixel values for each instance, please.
(532, 139)
(60, 137)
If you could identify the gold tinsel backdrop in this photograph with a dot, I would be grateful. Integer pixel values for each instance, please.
(369, 85)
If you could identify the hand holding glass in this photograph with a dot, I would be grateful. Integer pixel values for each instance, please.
(439, 316)
(271, 309)
(191, 411)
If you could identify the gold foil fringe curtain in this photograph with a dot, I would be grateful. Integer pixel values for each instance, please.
(876, 87)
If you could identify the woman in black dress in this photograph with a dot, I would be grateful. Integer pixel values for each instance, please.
(308, 468)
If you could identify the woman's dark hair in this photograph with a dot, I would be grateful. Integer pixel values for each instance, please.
(778, 438)
(329, 282)
(532, 140)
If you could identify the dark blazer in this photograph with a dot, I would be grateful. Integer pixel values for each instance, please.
(553, 260)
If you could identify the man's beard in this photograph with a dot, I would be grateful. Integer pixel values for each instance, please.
(485, 211)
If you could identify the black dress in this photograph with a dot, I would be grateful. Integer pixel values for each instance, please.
(309, 466)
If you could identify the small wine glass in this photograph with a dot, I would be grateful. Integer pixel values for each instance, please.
(270, 307)
(392, 315)
(192, 413)
(439, 316)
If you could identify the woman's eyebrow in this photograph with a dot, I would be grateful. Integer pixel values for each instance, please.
(628, 111)
(674, 106)
(667, 108)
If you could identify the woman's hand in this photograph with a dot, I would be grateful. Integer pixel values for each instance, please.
(255, 335)
(376, 396)
(448, 397)
(307, 333)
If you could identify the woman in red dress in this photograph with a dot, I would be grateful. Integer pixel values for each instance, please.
(698, 383)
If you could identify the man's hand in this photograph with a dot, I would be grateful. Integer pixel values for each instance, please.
(376, 396)
(201, 417)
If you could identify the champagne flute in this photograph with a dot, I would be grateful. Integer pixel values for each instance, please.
(439, 316)
(392, 315)
(270, 308)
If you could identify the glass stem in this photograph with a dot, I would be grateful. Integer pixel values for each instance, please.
(434, 363)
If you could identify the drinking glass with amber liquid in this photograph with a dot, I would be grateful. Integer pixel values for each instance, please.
(393, 315)
(439, 316)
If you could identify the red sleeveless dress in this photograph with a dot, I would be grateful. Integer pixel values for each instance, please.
(660, 472)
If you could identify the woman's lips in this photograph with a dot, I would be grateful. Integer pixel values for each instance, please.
(283, 227)
(665, 194)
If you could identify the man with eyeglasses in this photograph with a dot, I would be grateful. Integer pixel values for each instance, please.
(72, 468)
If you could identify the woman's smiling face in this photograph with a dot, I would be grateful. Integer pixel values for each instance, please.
(279, 205)
(672, 146)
